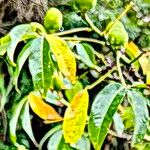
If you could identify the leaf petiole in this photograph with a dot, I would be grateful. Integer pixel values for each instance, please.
(102, 78)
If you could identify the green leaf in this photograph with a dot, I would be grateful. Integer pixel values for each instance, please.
(3, 93)
(86, 55)
(71, 92)
(26, 123)
(16, 35)
(48, 134)
(14, 119)
(103, 108)
(118, 123)
(57, 142)
(82, 144)
(139, 106)
(22, 57)
(90, 51)
(40, 64)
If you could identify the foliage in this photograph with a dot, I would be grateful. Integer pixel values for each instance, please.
(82, 87)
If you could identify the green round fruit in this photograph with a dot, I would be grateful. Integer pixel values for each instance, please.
(117, 35)
(85, 5)
(53, 20)
(113, 25)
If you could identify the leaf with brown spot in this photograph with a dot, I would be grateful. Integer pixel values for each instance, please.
(75, 117)
(64, 56)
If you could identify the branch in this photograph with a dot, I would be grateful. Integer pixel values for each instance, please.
(89, 87)
(73, 31)
(84, 39)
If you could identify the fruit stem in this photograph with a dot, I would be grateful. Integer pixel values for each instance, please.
(119, 68)
(89, 87)
(84, 39)
(129, 6)
(73, 31)
(92, 25)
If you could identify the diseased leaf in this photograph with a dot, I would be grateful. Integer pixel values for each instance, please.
(71, 92)
(14, 119)
(16, 35)
(139, 106)
(103, 108)
(148, 72)
(40, 64)
(133, 51)
(26, 123)
(64, 56)
(42, 109)
(75, 117)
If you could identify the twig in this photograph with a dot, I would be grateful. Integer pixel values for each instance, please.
(92, 25)
(73, 31)
(89, 87)
(84, 39)
(119, 68)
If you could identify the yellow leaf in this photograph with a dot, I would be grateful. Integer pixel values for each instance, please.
(75, 117)
(133, 51)
(148, 72)
(64, 56)
(42, 109)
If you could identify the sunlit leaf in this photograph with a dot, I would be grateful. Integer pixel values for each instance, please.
(3, 48)
(71, 92)
(103, 108)
(139, 106)
(26, 123)
(38, 27)
(64, 56)
(148, 72)
(40, 64)
(42, 109)
(16, 35)
(14, 119)
(128, 118)
(75, 117)
(3, 97)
